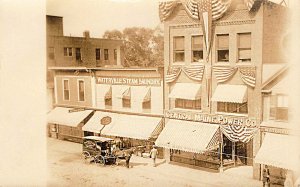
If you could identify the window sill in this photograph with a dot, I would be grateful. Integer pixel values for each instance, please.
(201, 62)
(232, 114)
(178, 63)
(223, 63)
(240, 63)
(187, 110)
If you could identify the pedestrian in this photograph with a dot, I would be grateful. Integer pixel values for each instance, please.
(128, 156)
(153, 155)
(266, 176)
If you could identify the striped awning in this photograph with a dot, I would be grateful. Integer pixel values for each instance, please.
(230, 93)
(189, 136)
(94, 124)
(280, 151)
(132, 126)
(67, 116)
(189, 91)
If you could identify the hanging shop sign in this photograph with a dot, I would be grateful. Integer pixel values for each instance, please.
(133, 81)
(105, 120)
(211, 118)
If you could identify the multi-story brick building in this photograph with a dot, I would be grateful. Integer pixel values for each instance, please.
(213, 84)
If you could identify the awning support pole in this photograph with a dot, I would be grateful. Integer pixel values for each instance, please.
(221, 151)
(233, 153)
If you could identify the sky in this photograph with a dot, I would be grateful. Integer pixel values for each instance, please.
(97, 16)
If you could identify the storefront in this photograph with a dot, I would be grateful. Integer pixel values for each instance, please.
(66, 123)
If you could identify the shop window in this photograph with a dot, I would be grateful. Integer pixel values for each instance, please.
(108, 102)
(188, 104)
(244, 47)
(51, 53)
(179, 49)
(78, 54)
(105, 54)
(223, 48)
(279, 107)
(241, 108)
(126, 103)
(98, 53)
(68, 51)
(197, 48)
(66, 92)
(115, 54)
(81, 93)
(147, 105)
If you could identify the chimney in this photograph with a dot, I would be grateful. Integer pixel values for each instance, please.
(86, 34)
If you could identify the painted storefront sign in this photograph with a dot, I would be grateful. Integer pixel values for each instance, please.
(133, 81)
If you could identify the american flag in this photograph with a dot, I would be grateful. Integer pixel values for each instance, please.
(237, 133)
(223, 73)
(191, 7)
(166, 8)
(248, 75)
(219, 7)
(194, 72)
(172, 74)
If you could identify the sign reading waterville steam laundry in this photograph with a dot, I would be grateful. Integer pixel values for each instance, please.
(134, 81)
(211, 118)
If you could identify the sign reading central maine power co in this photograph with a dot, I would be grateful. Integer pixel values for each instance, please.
(133, 81)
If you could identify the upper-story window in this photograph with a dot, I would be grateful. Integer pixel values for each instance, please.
(66, 90)
(68, 51)
(81, 93)
(244, 47)
(98, 53)
(179, 49)
(188, 104)
(105, 54)
(240, 108)
(222, 45)
(51, 53)
(78, 54)
(115, 54)
(197, 48)
(279, 107)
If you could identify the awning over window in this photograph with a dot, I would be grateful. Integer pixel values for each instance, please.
(136, 127)
(141, 93)
(279, 150)
(189, 136)
(230, 93)
(67, 116)
(122, 91)
(94, 124)
(104, 91)
(189, 91)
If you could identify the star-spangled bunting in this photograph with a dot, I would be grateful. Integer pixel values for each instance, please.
(223, 73)
(248, 75)
(238, 133)
(194, 72)
(172, 73)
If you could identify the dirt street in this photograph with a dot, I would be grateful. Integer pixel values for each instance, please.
(66, 168)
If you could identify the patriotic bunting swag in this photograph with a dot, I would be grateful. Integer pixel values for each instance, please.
(194, 72)
(237, 133)
(223, 73)
(248, 75)
(172, 74)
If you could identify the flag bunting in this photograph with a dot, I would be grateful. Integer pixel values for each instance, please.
(223, 73)
(194, 72)
(172, 73)
(248, 75)
(238, 133)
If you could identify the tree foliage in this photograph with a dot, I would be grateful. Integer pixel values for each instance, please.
(142, 46)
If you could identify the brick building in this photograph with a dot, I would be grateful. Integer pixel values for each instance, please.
(213, 84)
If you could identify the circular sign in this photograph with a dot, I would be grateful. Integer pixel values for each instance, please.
(105, 120)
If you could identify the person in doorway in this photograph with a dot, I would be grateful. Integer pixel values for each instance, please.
(153, 155)
(266, 176)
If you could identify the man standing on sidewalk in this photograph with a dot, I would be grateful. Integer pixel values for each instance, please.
(153, 154)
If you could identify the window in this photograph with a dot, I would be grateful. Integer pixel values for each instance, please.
(223, 48)
(105, 54)
(241, 108)
(126, 103)
(68, 51)
(179, 49)
(244, 47)
(147, 105)
(197, 48)
(188, 104)
(51, 53)
(115, 54)
(108, 102)
(78, 54)
(98, 53)
(66, 88)
(80, 90)
(279, 107)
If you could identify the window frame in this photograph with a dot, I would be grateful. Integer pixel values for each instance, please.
(244, 48)
(76, 54)
(63, 86)
(276, 110)
(178, 51)
(51, 51)
(106, 54)
(126, 103)
(96, 52)
(115, 54)
(237, 107)
(188, 104)
(78, 90)
(68, 51)
(222, 49)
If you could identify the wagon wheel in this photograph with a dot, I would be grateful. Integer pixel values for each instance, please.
(86, 156)
(99, 159)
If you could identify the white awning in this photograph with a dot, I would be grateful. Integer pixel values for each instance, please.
(140, 93)
(94, 125)
(230, 93)
(280, 151)
(188, 136)
(189, 91)
(121, 91)
(67, 116)
(104, 91)
(136, 127)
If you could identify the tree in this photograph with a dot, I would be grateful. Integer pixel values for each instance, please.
(142, 46)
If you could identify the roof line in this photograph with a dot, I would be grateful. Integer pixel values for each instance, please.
(275, 75)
